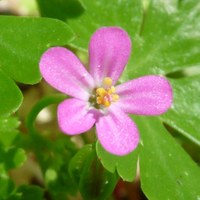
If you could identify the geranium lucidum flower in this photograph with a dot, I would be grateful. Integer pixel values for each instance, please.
(96, 99)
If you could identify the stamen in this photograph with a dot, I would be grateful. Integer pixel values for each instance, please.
(107, 82)
(107, 94)
(106, 103)
(113, 90)
(115, 97)
(99, 100)
(101, 91)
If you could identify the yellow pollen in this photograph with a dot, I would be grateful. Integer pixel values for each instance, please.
(113, 90)
(115, 97)
(101, 92)
(107, 94)
(106, 103)
(107, 82)
(99, 100)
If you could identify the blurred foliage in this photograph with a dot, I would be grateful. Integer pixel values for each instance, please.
(60, 9)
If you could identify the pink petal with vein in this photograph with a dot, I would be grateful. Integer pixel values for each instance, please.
(148, 95)
(63, 70)
(73, 116)
(117, 133)
(109, 51)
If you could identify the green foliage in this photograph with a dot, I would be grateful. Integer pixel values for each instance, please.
(126, 14)
(92, 179)
(7, 186)
(60, 9)
(162, 160)
(11, 96)
(185, 112)
(53, 155)
(8, 132)
(22, 42)
(77, 163)
(30, 192)
(25, 192)
(119, 163)
(168, 40)
(165, 37)
(11, 156)
(165, 34)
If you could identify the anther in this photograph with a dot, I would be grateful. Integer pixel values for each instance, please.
(106, 95)
(107, 82)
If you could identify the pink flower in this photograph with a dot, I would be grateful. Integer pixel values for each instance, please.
(95, 99)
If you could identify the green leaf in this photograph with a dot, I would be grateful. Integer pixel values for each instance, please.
(96, 182)
(11, 96)
(30, 192)
(6, 185)
(185, 112)
(86, 169)
(77, 162)
(23, 40)
(53, 151)
(169, 38)
(14, 157)
(8, 131)
(165, 163)
(165, 34)
(124, 165)
(126, 14)
(60, 9)
(11, 156)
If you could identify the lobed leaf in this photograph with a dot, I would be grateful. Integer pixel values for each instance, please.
(93, 181)
(126, 14)
(60, 9)
(185, 112)
(8, 130)
(168, 39)
(23, 40)
(165, 163)
(126, 166)
(100, 183)
(78, 161)
(11, 96)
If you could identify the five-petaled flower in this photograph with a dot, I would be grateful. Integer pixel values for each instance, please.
(96, 99)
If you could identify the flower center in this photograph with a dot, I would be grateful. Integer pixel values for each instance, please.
(106, 94)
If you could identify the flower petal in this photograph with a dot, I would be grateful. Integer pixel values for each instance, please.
(148, 95)
(117, 133)
(63, 70)
(73, 116)
(109, 51)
